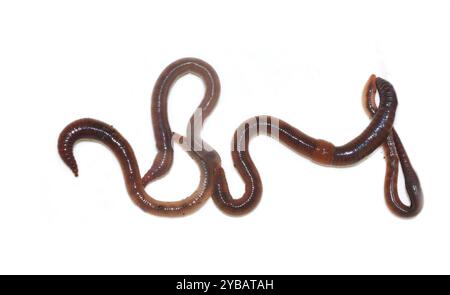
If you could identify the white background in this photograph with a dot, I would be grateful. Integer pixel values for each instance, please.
(305, 62)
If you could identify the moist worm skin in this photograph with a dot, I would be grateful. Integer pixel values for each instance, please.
(160, 119)
(318, 150)
(206, 159)
(395, 153)
(212, 176)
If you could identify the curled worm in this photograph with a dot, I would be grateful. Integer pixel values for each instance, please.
(160, 120)
(213, 180)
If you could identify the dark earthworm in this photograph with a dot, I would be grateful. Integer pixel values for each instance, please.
(395, 153)
(213, 181)
(320, 151)
(205, 158)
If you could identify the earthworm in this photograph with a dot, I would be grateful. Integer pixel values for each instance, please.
(395, 153)
(212, 176)
(206, 160)
(318, 150)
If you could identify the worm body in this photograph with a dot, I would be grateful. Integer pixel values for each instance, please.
(213, 180)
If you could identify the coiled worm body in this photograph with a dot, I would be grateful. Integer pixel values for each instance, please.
(212, 176)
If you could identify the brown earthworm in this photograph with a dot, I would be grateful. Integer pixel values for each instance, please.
(206, 160)
(395, 153)
(213, 181)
